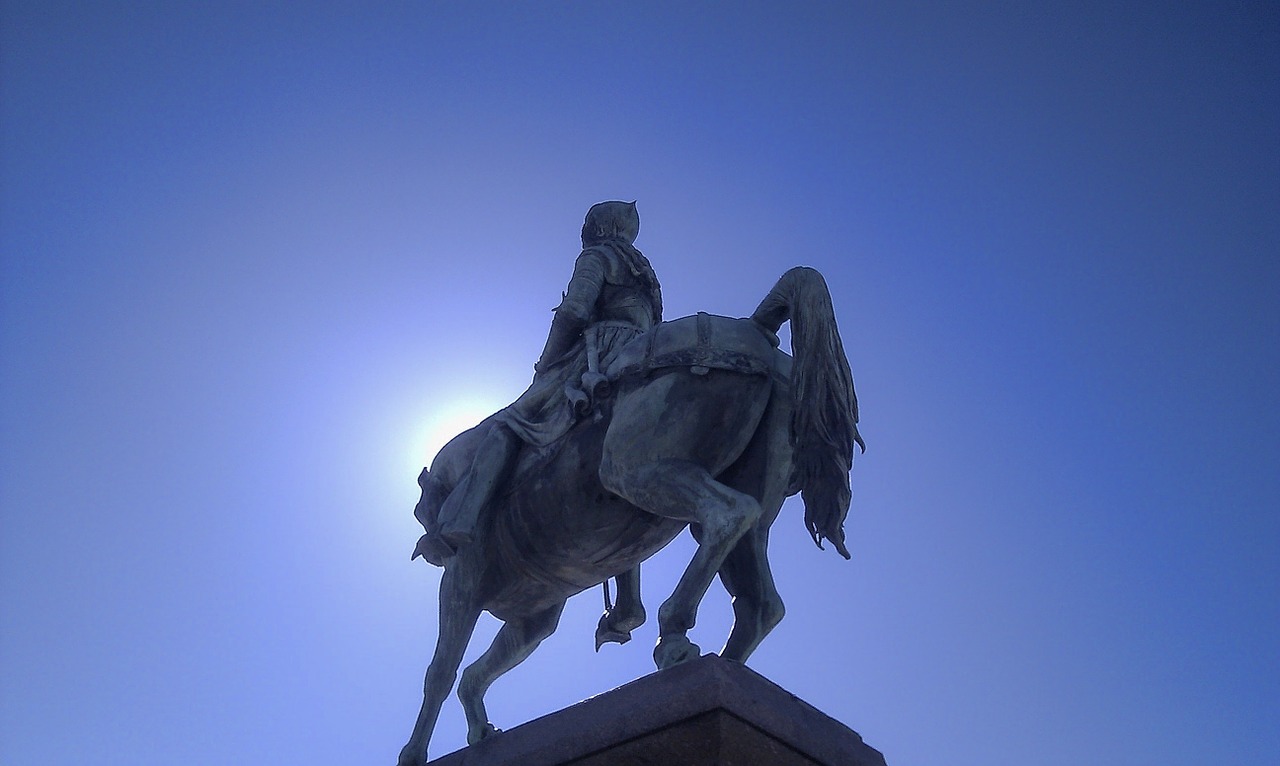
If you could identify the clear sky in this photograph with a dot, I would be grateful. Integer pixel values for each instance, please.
(257, 260)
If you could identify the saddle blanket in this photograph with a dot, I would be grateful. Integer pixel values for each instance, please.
(701, 342)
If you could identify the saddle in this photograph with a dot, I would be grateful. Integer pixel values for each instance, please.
(700, 343)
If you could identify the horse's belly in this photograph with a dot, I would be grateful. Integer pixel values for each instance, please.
(549, 577)
(563, 533)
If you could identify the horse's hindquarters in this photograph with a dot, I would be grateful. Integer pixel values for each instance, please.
(707, 419)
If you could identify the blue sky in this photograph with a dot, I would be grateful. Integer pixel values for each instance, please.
(257, 259)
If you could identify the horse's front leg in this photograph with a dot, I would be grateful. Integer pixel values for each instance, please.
(458, 614)
(516, 640)
(680, 489)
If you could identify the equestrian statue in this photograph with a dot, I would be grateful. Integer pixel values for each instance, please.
(633, 429)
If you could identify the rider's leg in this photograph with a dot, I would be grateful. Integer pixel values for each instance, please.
(427, 512)
(460, 512)
(625, 615)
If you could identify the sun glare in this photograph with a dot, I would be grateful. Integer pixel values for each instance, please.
(446, 420)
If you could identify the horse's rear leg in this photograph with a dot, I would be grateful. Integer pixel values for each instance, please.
(516, 640)
(679, 489)
(668, 440)
(757, 606)
(763, 471)
(458, 615)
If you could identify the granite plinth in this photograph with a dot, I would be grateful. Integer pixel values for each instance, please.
(707, 712)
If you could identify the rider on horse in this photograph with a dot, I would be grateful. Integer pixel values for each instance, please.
(612, 297)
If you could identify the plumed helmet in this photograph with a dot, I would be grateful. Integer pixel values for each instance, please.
(611, 221)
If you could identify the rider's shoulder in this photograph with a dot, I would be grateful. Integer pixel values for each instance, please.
(594, 256)
(603, 260)
(616, 266)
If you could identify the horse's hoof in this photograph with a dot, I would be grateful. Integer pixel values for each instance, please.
(673, 651)
(481, 733)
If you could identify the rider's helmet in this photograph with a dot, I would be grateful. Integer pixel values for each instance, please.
(611, 221)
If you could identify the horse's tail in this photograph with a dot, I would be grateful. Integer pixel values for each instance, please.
(824, 414)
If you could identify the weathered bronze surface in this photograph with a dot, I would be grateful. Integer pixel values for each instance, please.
(631, 430)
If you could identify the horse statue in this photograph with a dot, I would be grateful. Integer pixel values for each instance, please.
(704, 423)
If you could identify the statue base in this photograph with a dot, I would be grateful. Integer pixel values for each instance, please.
(706, 712)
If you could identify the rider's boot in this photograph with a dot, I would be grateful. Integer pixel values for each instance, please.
(427, 512)
(460, 513)
(623, 616)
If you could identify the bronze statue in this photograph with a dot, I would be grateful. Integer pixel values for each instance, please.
(632, 429)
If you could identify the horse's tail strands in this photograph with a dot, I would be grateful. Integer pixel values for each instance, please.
(824, 415)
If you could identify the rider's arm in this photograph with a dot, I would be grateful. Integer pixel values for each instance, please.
(584, 287)
(575, 309)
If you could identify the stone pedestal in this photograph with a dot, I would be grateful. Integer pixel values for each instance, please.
(708, 712)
